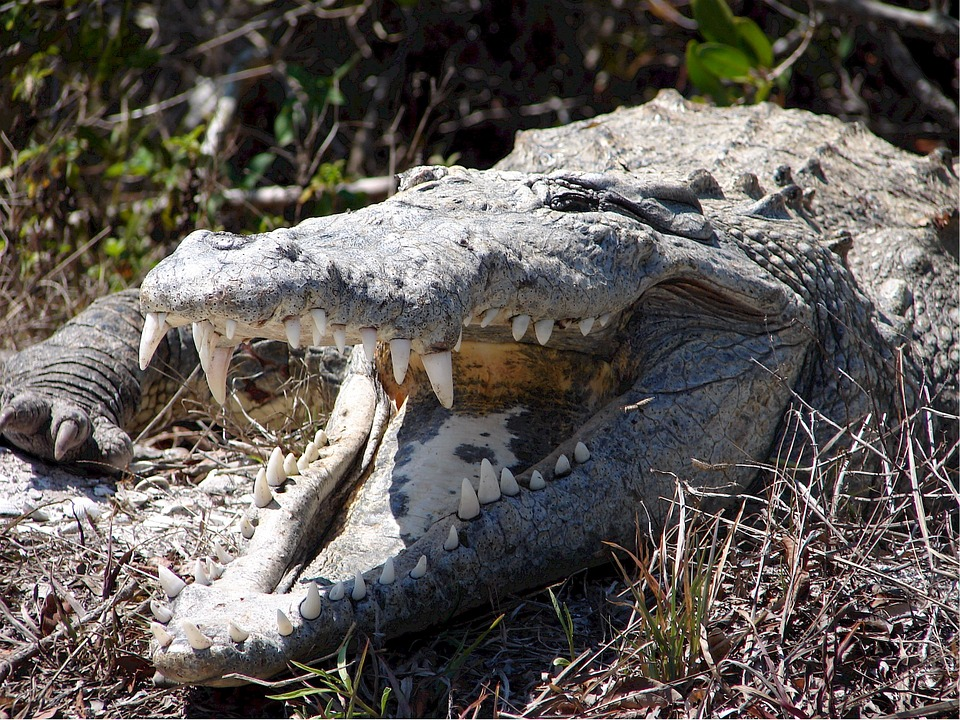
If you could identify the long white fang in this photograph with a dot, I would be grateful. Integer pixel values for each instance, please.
(275, 474)
(237, 633)
(154, 328)
(160, 634)
(200, 331)
(368, 336)
(339, 336)
(543, 329)
(520, 324)
(536, 480)
(456, 348)
(604, 319)
(290, 465)
(469, 502)
(388, 574)
(508, 483)
(421, 568)
(261, 491)
(199, 574)
(311, 607)
(489, 490)
(400, 355)
(197, 640)
(217, 368)
(230, 329)
(359, 591)
(214, 569)
(320, 439)
(246, 527)
(489, 316)
(336, 592)
(586, 325)
(284, 626)
(580, 453)
(171, 583)
(453, 539)
(206, 346)
(562, 467)
(292, 327)
(468, 320)
(439, 367)
(161, 612)
(319, 318)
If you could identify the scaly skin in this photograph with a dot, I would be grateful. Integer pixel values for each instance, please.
(727, 308)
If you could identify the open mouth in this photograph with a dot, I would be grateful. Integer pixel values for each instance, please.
(487, 436)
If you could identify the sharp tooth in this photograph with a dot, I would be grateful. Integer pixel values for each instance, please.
(453, 539)
(161, 612)
(230, 329)
(214, 569)
(284, 626)
(489, 490)
(586, 325)
(311, 607)
(368, 336)
(489, 316)
(172, 585)
(290, 465)
(217, 368)
(154, 328)
(320, 439)
(536, 480)
(543, 329)
(206, 349)
(400, 355)
(200, 331)
(580, 453)
(197, 640)
(199, 574)
(562, 467)
(160, 634)
(508, 483)
(246, 527)
(469, 502)
(359, 591)
(336, 592)
(439, 367)
(261, 491)
(604, 319)
(310, 453)
(421, 569)
(292, 327)
(319, 318)
(520, 325)
(388, 574)
(339, 336)
(222, 555)
(468, 320)
(456, 347)
(237, 633)
(275, 474)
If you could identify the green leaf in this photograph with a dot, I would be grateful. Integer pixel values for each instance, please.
(725, 61)
(256, 168)
(706, 82)
(715, 21)
(754, 41)
(283, 125)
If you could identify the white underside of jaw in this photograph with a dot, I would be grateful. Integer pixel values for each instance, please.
(424, 481)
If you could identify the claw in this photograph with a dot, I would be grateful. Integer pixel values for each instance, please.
(69, 435)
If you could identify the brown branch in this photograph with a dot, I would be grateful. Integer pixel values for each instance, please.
(902, 64)
(930, 24)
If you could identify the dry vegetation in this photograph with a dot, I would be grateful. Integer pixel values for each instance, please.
(829, 593)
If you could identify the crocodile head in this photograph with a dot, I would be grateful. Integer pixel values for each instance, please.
(539, 359)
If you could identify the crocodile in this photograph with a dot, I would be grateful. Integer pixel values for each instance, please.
(543, 351)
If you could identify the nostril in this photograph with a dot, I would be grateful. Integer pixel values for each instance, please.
(225, 240)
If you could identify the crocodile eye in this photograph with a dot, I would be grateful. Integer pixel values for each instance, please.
(573, 202)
